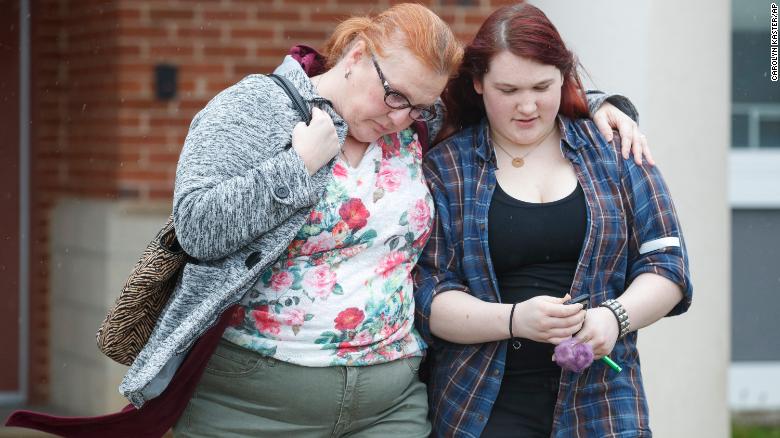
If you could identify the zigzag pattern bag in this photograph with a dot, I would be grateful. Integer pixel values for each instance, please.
(130, 322)
(128, 325)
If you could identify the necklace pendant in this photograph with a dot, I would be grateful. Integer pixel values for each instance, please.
(518, 162)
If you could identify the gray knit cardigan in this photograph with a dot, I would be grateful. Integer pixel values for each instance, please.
(241, 195)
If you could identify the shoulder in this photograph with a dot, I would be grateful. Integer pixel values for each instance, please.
(246, 106)
(454, 149)
(252, 91)
(594, 147)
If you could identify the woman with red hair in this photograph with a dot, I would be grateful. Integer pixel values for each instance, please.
(535, 206)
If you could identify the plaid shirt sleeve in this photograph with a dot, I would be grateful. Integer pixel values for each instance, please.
(655, 241)
(439, 266)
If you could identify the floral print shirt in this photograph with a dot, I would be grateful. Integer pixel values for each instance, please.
(341, 294)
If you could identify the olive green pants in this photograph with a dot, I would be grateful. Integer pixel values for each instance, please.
(244, 394)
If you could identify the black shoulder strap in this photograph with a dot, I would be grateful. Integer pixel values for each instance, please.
(297, 100)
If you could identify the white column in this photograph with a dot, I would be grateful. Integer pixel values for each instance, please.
(673, 60)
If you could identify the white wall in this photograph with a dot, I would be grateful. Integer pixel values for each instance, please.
(672, 59)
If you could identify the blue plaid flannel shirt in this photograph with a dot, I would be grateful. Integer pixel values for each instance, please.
(632, 228)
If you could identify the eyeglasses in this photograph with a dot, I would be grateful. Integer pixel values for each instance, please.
(396, 100)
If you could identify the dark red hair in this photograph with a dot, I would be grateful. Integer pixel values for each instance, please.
(524, 31)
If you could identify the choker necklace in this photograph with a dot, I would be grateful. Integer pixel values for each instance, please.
(517, 162)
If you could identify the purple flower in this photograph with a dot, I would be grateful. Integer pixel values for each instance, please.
(573, 356)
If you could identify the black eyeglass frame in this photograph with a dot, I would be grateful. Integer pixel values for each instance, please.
(420, 113)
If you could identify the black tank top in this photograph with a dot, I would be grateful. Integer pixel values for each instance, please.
(534, 248)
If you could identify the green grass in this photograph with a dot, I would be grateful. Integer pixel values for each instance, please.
(738, 431)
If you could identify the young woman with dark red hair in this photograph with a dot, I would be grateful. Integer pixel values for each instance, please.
(535, 206)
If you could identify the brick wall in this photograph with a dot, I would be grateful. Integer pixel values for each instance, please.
(98, 130)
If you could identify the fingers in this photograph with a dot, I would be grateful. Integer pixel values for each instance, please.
(558, 335)
(637, 148)
(603, 125)
(626, 129)
(559, 310)
(646, 150)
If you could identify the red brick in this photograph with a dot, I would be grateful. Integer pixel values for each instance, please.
(301, 34)
(164, 158)
(197, 32)
(233, 15)
(142, 32)
(474, 19)
(202, 69)
(225, 51)
(124, 13)
(159, 194)
(252, 33)
(174, 51)
(265, 15)
(171, 14)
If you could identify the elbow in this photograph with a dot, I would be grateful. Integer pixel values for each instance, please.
(194, 250)
(190, 231)
(188, 240)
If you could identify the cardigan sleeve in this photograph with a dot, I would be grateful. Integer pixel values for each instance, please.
(223, 199)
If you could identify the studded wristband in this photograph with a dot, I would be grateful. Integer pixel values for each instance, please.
(620, 314)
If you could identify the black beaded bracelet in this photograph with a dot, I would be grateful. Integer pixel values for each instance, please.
(515, 341)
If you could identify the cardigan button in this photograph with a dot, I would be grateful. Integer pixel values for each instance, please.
(282, 192)
(252, 260)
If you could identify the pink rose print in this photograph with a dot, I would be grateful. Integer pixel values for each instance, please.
(349, 319)
(389, 354)
(346, 349)
(265, 321)
(419, 216)
(320, 281)
(390, 178)
(352, 251)
(340, 232)
(389, 262)
(295, 247)
(315, 217)
(321, 242)
(359, 341)
(294, 317)
(339, 171)
(370, 357)
(362, 339)
(388, 332)
(390, 150)
(354, 214)
(281, 280)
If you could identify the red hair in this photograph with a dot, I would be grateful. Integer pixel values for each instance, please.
(408, 25)
(524, 31)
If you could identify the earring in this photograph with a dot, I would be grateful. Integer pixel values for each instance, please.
(346, 75)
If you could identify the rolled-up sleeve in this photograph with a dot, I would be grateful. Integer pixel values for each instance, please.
(656, 243)
(438, 268)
